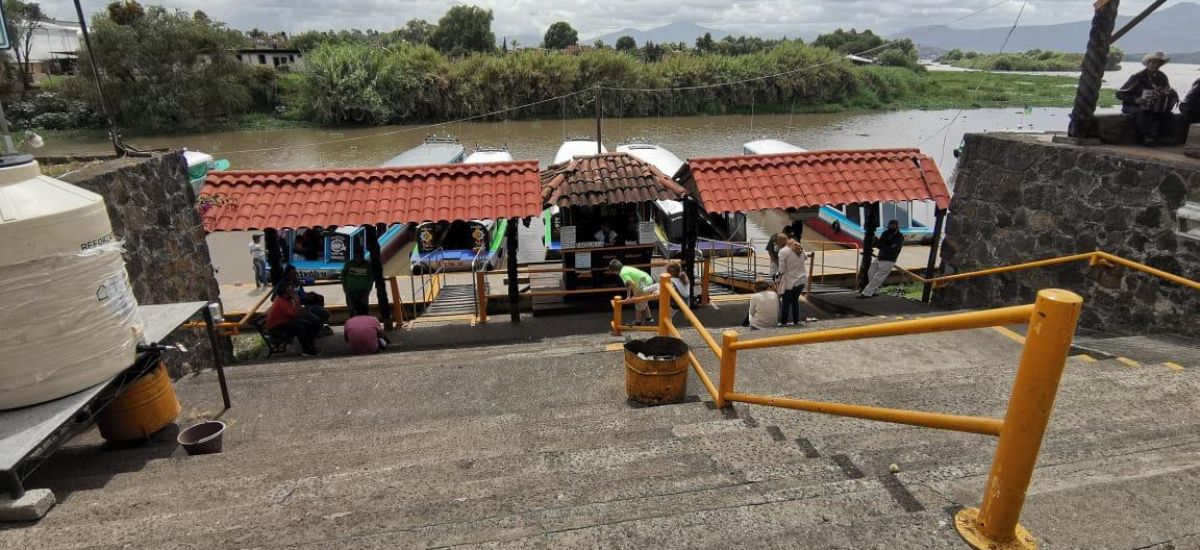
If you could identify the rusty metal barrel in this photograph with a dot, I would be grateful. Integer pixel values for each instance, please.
(656, 370)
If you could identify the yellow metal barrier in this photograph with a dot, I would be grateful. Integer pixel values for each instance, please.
(1098, 257)
(1052, 318)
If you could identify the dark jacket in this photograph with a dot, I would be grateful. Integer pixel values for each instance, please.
(1191, 102)
(890, 243)
(1131, 92)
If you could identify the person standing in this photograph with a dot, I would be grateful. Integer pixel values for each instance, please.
(890, 243)
(258, 256)
(1148, 98)
(606, 236)
(635, 281)
(764, 306)
(357, 281)
(792, 278)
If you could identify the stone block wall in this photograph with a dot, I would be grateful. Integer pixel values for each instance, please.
(1019, 197)
(151, 206)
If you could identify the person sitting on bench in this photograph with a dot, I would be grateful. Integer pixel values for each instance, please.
(288, 318)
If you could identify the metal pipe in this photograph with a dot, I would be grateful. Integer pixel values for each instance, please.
(218, 362)
(616, 320)
(959, 321)
(664, 303)
(514, 299)
(1137, 19)
(599, 129)
(481, 297)
(87, 40)
(691, 317)
(728, 374)
(958, 423)
(698, 368)
(1051, 328)
(1149, 270)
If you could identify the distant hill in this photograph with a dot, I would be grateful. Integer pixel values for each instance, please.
(671, 32)
(1168, 29)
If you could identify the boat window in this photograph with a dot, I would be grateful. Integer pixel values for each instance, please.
(262, 59)
(854, 214)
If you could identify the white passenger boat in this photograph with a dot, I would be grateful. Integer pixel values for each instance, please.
(577, 147)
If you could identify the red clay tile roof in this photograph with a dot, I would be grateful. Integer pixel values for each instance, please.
(805, 180)
(360, 196)
(610, 178)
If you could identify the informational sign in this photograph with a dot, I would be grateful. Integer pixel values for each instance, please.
(583, 260)
(646, 234)
(566, 236)
(339, 247)
(5, 43)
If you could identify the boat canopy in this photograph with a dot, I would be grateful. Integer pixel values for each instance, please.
(656, 156)
(482, 156)
(770, 147)
(432, 151)
(575, 148)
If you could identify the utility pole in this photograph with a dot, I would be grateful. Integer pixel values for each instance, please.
(599, 114)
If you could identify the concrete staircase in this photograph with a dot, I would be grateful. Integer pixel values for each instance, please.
(534, 446)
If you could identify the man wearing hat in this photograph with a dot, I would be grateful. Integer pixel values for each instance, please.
(1147, 96)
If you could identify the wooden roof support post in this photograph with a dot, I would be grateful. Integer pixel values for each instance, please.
(381, 292)
(511, 245)
(868, 242)
(939, 222)
(274, 255)
(1083, 124)
(691, 222)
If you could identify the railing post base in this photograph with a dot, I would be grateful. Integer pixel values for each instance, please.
(966, 522)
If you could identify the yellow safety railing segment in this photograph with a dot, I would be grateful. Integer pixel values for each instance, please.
(1093, 258)
(1051, 320)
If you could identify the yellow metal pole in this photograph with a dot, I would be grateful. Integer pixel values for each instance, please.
(246, 318)
(706, 280)
(954, 422)
(959, 321)
(664, 304)
(481, 297)
(812, 261)
(1150, 270)
(728, 367)
(1051, 327)
(616, 320)
(696, 366)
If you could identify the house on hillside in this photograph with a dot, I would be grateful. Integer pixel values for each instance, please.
(52, 49)
(272, 57)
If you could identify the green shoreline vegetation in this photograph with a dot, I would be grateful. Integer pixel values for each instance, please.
(171, 72)
(1027, 61)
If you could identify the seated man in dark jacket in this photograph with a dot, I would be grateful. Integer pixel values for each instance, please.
(1147, 96)
(1190, 107)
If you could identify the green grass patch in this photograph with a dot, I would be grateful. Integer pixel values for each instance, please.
(980, 90)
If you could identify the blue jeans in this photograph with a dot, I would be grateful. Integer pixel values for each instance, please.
(260, 272)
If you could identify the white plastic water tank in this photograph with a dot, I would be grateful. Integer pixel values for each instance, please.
(68, 318)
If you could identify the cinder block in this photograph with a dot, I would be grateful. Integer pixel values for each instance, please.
(30, 507)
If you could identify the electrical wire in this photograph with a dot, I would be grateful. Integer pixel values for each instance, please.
(945, 130)
(413, 128)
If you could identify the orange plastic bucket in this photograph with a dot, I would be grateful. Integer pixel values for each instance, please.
(144, 406)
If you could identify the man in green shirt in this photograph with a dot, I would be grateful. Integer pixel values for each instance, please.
(635, 281)
(356, 282)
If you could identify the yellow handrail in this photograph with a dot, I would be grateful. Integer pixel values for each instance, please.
(1051, 320)
(1092, 258)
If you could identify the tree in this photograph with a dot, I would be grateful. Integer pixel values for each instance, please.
(415, 31)
(626, 44)
(599, 44)
(23, 18)
(168, 69)
(126, 12)
(849, 42)
(464, 29)
(559, 36)
(706, 43)
(652, 52)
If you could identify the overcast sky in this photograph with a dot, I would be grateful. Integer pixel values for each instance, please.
(595, 17)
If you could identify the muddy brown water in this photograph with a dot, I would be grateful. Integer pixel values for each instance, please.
(937, 133)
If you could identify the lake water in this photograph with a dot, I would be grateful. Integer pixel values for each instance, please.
(937, 133)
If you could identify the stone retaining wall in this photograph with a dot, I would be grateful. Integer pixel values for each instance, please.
(151, 206)
(1020, 198)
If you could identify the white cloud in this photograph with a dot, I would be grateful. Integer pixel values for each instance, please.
(596, 17)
